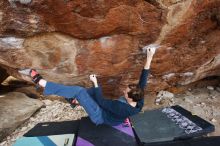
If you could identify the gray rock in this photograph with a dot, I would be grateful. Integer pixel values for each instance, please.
(188, 93)
(165, 94)
(61, 111)
(15, 108)
(213, 120)
(210, 87)
(47, 102)
(203, 104)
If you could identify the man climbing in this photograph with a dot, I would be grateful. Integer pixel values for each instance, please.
(99, 109)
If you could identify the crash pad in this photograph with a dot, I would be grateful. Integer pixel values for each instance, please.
(168, 124)
(104, 135)
(52, 140)
(54, 128)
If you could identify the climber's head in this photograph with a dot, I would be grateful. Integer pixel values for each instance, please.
(133, 93)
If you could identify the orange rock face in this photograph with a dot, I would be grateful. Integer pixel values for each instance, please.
(68, 40)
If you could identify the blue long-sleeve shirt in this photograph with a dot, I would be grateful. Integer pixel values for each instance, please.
(115, 111)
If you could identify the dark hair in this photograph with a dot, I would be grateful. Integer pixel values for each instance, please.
(136, 93)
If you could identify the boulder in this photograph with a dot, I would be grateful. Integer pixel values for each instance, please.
(68, 40)
(15, 109)
(164, 95)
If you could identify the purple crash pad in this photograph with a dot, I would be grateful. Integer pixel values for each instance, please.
(82, 142)
(123, 128)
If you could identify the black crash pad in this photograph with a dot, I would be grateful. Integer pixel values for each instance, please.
(103, 135)
(168, 124)
(53, 128)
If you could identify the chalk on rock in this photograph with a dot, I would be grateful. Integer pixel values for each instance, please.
(25, 2)
(25, 71)
(152, 46)
(21, 1)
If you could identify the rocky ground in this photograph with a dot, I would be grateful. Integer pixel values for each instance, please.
(203, 102)
(53, 111)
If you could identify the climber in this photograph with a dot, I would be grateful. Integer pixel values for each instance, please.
(99, 109)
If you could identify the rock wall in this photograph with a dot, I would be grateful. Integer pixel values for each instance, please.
(67, 40)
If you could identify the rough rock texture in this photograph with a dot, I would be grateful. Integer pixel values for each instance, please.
(68, 40)
(15, 108)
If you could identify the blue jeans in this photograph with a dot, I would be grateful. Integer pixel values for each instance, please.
(83, 95)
